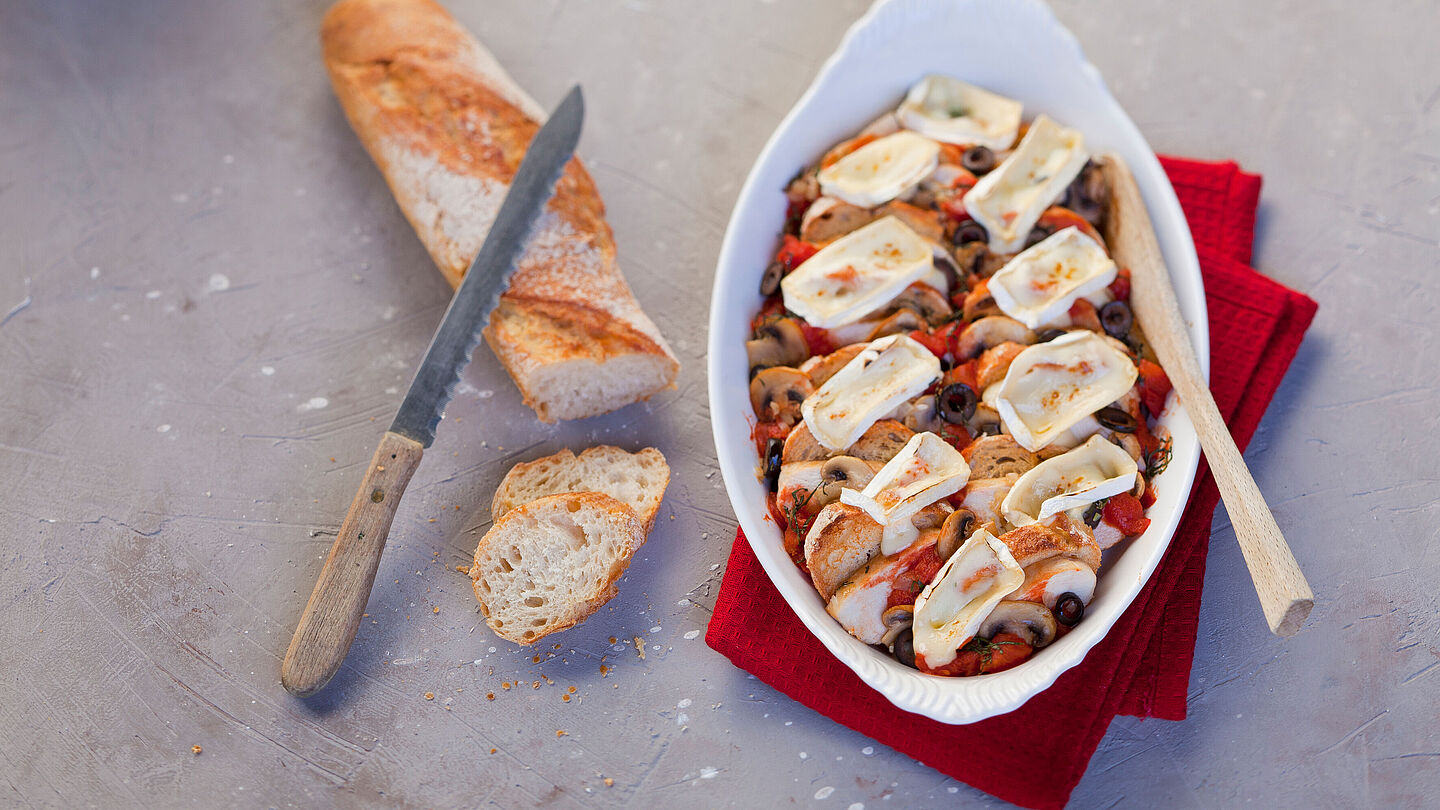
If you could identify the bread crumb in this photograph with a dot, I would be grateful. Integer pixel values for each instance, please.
(565, 698)
(489, 695)
(604, 670)
(640, 647)
(462, 569)
(561, 733)
(613, 639)
(572, 690)
(609, 782)
(437, 609)
(505, 685)
(493, 750)
(195, 749)
(535, 685)
(535, 660)
(429, 695)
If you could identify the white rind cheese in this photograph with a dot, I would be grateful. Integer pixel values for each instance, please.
(952, 111)
(1010, 199)
(886, 373)
(881, 170)
(968, 586)
(1096, 469)
(1052, 386)
(857, 273)
(1038, 287)
(925, 470)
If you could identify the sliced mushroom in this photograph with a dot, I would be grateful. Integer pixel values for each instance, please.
(1029, 620)
(985, 422)
(955, 531)
(880, 443)
(842, 472)
(828, 219)
(998, 456)
(983, 496)
(776, 394)
(900, 322)
(922, 416)
(979, 303)
(931, 517)
(823, 367)
(927, 301)
(779, 342)
(1129, 444)
(989, 332)
(924, 222)
(897, 619)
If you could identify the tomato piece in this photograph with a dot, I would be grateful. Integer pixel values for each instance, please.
(909, 583)
(1120, 287)
(817, 339)
(1058, 218)
(793, 252)
(1009, 650)
(1083, 315)
(936, 343)
(957, 436)
(763, 432)
(1001, 653)
(1154, 387)
(1126, 513)
(846, 148)
(953, 207)
(966, 372)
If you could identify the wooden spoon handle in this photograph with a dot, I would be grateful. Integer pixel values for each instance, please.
(332, 615)
(1284, 594)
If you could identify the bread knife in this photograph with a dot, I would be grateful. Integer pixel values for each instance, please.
(332, 616)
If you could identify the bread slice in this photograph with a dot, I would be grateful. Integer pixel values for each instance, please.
(550, 563)
(448, 129)
(636, 479)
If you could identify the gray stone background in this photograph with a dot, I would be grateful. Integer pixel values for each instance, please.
(216, 305)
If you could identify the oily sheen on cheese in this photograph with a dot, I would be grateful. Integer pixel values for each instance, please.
(951, 111)
(1096, 469)
(925, 470)
(1010, 199)
(950, 609)
(1052, 386)
(857, 274)
(1038, 286)
(881, 170)
(887, 372)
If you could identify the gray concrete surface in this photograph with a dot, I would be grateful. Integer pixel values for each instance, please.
(216, 304)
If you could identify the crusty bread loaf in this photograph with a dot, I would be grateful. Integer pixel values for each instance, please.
(550, 563)
(635, 479)
(448, 128)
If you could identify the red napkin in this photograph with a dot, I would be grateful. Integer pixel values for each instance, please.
(1142, 667)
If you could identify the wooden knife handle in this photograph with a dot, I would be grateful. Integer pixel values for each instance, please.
(332, 615)
(1284, 593)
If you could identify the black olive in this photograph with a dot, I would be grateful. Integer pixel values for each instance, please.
(955, 403)
(970, 231)
(1117, 319)
(770, 281)
(1094, 513)
(1116, 419)
(1037, 234)
(978, 159)
(1069, 610)
(774, 450)
(1049, 335)
(904, 647)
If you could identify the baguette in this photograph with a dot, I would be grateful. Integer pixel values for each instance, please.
(549, 564)
(448, 127)
(636, 479)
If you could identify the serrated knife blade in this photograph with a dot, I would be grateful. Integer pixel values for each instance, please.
(332, 616)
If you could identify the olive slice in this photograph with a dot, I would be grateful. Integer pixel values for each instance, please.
(1117, 319)
(970, 231)
(1115, 419)
(904, 647)
(774, 450)
(770, 281)
(1069, 609)
(1049, 335)
(955, 403)
(978, 159)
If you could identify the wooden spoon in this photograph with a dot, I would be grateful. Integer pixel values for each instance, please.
(1284, 594)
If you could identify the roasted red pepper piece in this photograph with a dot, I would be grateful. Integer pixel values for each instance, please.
(1126, 513)
(1154, 387)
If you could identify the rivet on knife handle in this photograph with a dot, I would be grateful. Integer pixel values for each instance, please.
(333, 613)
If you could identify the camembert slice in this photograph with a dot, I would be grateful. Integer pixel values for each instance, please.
(881, 170)
(1010, 199)
(1096, 469)
(951, 111)
(857, 273)
(1039, 286)
(925, 470)
(884, 374)
(1052, 386)
(969, 585)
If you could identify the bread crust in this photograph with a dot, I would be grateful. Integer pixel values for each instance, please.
(448, 129)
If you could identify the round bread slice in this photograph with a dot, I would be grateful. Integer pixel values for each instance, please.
(637, 479)
(550, 563)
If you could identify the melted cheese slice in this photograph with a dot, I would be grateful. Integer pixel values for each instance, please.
(881, 170)
(1096, 469)
(886, 373)
(969, 585)
(925, 470)
(857, 273)
(1010, 199)
(1052, 386)
(952, 111)
(1039, 286)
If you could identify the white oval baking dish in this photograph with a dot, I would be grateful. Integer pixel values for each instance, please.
(1017, 48)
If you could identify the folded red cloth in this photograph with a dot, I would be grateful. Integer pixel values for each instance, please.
(1256, 328)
